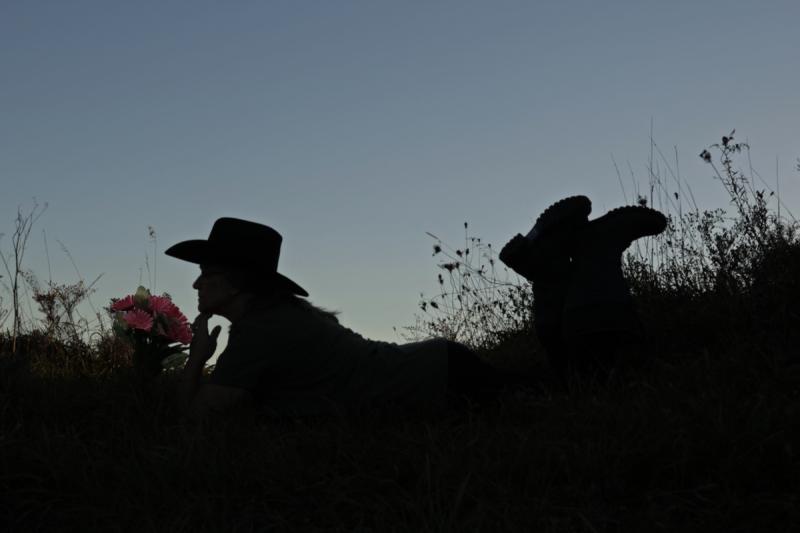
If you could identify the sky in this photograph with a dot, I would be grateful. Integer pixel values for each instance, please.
(355, 127)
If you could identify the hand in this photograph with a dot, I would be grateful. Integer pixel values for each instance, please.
(203, 343)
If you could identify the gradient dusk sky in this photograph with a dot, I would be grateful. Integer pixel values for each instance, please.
(355, 127)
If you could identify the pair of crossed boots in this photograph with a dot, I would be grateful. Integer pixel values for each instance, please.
(583, 308)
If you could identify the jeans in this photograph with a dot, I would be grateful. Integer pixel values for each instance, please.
(470, 377)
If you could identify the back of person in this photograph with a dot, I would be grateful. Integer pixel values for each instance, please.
(298, 360)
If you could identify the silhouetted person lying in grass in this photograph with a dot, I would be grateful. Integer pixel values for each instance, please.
(288, 357)
(583, 308)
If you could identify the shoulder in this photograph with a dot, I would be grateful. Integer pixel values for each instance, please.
(272, 320)
(291, 318)
(269, 337)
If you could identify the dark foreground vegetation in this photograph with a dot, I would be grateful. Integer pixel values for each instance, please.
(703, 439)
(703, 435)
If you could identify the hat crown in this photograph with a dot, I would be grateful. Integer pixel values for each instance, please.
(242, 242)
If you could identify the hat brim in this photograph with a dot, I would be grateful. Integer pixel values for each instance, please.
(201, 251)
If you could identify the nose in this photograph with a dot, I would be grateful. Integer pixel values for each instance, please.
(196, 284)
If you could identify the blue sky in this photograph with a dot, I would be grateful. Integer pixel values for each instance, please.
(355, 127)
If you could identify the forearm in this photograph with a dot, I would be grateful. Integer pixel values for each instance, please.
(200, 350)
(190, 382)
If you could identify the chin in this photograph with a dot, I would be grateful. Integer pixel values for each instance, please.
(205, 308)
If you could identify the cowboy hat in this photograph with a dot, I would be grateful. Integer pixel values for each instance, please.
(238, 243)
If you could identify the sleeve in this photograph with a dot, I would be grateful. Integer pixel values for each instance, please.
(241, 364)
(259, 352)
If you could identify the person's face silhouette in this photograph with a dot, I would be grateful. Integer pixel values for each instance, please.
(214, 292)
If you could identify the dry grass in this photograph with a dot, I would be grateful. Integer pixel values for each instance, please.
(694, 440)
(702, 437)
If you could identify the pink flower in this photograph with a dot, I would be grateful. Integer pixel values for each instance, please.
(123, 304)
(155, 315)
(164, 306)
(138, 319)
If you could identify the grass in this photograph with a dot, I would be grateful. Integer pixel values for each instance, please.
(702, 436)
(693, 440)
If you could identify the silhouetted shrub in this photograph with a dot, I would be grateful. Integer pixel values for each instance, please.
(480, 302)
(715, 276)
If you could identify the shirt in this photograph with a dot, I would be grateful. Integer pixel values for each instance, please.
(297, 360)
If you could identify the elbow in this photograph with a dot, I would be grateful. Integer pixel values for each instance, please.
(212, 400)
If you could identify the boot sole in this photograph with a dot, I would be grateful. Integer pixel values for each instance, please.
(631, 222)
(569, 212)
(524, 254)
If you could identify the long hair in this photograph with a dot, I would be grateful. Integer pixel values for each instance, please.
(265, 292)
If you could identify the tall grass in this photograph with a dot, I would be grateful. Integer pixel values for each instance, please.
(721, 276)
(480, 302)
(702, 438)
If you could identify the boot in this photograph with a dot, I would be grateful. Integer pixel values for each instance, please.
(545, 249)
(542, 257)
(598, 305)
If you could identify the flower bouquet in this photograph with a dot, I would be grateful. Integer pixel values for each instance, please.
(156, 329)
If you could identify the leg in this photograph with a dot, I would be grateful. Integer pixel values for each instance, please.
(468, 376)
(471, 378)
(598, 297)
(543, 258)
(582, 305)
(599, 321)
(595, 355)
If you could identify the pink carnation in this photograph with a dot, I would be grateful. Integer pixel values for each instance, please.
(138, 319)
(123, 304)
